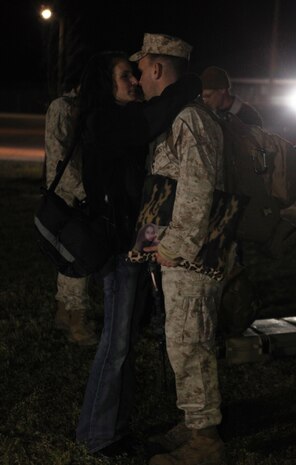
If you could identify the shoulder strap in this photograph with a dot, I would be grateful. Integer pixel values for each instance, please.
(241, 128)
(199, 104)
(62, 166)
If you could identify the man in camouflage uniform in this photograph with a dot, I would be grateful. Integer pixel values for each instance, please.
(192, 155)
(72, 293)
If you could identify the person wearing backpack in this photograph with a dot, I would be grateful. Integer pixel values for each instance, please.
(216, 94)
(260, 165)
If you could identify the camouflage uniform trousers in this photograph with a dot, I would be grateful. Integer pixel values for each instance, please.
(191, 302)
(73, 292)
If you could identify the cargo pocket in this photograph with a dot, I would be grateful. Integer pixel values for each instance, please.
(199, 320)
(191, 310)
(208, 321)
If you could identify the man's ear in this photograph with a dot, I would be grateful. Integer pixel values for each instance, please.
(157, 70)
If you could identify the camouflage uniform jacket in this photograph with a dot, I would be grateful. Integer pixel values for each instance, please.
(196, 164)
(59, 129)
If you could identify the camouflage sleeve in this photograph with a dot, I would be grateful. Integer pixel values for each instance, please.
(198, 144)
(59, 128)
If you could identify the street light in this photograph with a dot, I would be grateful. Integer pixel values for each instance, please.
(48, 14)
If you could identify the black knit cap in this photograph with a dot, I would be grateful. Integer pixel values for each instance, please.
(215, 78)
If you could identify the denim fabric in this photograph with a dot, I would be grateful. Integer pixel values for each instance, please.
(109, 392)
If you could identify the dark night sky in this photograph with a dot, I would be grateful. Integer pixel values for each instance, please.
(230, 33)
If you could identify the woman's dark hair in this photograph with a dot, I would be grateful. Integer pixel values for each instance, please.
(96, 87)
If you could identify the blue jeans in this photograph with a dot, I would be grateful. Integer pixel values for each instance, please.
(109, 393)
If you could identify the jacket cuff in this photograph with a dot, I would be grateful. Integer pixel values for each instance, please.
(166, 253)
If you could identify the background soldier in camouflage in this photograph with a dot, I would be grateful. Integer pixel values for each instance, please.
(72, 293)
(264, 286)
(216, 94)
(191, 299)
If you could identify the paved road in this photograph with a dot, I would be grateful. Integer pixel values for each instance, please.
(21, 137)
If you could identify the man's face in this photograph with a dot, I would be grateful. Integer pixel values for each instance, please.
(213, 98)
(147, 80)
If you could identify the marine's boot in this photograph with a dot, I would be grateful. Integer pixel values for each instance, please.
(81, 331)
(62, 316)
(203, 448)
(173, 438)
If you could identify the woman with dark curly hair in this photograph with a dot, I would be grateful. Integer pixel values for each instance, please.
(115, 128)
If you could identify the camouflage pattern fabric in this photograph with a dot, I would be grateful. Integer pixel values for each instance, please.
(197, 167)
(73, 293)
(59, 129)
(191, 302)
(191, 298)
(162, 44)
(225, 211)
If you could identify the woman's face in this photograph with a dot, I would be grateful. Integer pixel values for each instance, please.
(150, 234)
(125, 84)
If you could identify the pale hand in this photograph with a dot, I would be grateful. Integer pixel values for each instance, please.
(160, 260)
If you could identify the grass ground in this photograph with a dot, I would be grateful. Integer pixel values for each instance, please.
(43, 376)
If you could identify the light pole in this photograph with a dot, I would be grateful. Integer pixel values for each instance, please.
(61, 54)
(47, 14)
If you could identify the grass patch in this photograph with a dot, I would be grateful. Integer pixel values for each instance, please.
(43, 376)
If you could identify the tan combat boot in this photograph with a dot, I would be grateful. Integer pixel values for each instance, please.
(203, 448)
(62, 316)
(80, 330)
(173, 438)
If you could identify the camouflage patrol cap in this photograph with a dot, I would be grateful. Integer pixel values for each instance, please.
(162, 44)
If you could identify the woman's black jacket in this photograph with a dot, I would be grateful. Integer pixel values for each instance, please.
(114, 147)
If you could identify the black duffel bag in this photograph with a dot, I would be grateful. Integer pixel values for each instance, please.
(77, 244)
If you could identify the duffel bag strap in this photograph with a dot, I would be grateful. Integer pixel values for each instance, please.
(63, 163)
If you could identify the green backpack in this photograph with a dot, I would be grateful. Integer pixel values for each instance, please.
(262, 166)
